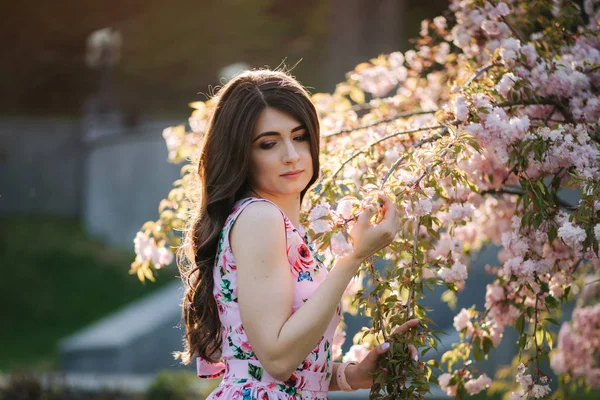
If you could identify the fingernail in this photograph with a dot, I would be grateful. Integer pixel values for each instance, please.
(416, 358)
(385, 346)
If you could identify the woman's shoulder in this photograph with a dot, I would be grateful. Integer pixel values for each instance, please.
(258, 219)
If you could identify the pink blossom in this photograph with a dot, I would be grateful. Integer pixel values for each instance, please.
(457, 274)
(573, 236)
(506, 84)
(525, 380)
(492, 28)
(353, 287)
(556, 284)
(463, 321)
(440, 22)
(357, 353)
(508, 49)
(143, 246)
(445, 246)
(530, 54)
(377, 80)
(592, 378)
(443, 380)
(319, 218)
(475, 386)
(539, 391)
(161, 256)
(344, 208)
(146, 249)
(460, 109)
(418, 208)
(340, 245)
(597, 232)
(502, 9)
(339, 337)
(496, 333)
(460, 211)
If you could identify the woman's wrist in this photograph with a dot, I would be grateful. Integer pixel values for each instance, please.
(354, 379)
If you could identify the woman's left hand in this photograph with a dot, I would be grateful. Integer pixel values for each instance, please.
(360, 376)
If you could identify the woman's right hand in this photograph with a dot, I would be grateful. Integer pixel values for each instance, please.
(369, 238)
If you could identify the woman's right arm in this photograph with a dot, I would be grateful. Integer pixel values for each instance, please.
(281, 339)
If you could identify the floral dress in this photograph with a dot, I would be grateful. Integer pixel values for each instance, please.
(244, 376)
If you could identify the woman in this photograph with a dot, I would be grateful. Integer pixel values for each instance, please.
(259, 308)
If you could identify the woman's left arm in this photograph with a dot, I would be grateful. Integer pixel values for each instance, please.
(360, 376)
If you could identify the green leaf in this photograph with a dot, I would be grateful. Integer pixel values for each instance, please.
(487, 344)
(255, 371)
(520, 325)
(551, 302)
(539, 336)
(549, 339)
(477, 353)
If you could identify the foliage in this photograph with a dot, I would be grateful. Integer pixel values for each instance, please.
(180, 385)
(31, 387)
(478, 134)
(55, 279)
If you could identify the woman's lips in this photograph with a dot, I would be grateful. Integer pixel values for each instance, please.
(292, 175)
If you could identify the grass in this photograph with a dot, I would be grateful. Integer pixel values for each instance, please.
(55, 279)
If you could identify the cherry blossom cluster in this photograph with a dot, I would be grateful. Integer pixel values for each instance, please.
(579, 346)
(147, 250)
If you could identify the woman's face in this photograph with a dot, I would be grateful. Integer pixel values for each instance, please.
(281, 163)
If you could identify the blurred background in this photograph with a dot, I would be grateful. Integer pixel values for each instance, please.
(86, 89)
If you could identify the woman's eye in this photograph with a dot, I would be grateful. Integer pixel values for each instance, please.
(267, 145)
(301, 138)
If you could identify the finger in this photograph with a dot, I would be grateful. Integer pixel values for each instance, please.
(366, 215)
(414, 353)
(406, 326)
(374, 354)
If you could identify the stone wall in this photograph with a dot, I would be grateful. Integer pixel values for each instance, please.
(110, 176)
(126, 177)
(41, 163)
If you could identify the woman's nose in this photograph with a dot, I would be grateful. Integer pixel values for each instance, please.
(291, 154)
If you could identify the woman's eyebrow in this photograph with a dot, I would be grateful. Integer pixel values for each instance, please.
(274, 133)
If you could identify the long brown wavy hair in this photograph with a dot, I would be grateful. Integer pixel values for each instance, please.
(223, 170)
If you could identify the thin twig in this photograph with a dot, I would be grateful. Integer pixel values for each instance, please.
(537, 347)
(514, 31)
(547, 100)
(411, 289)
(597, 67)
(550, 115)
(519, 192)
(370, 145)
(420, 143)
(591, 282)
(479, 72)
(379, 122)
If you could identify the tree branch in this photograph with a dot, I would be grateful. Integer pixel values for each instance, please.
(548, 100)
(370, 145)
(379, 122)
(514, 31)
(519, 192)
(479, 72)
(411, 290)
(418, 144)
